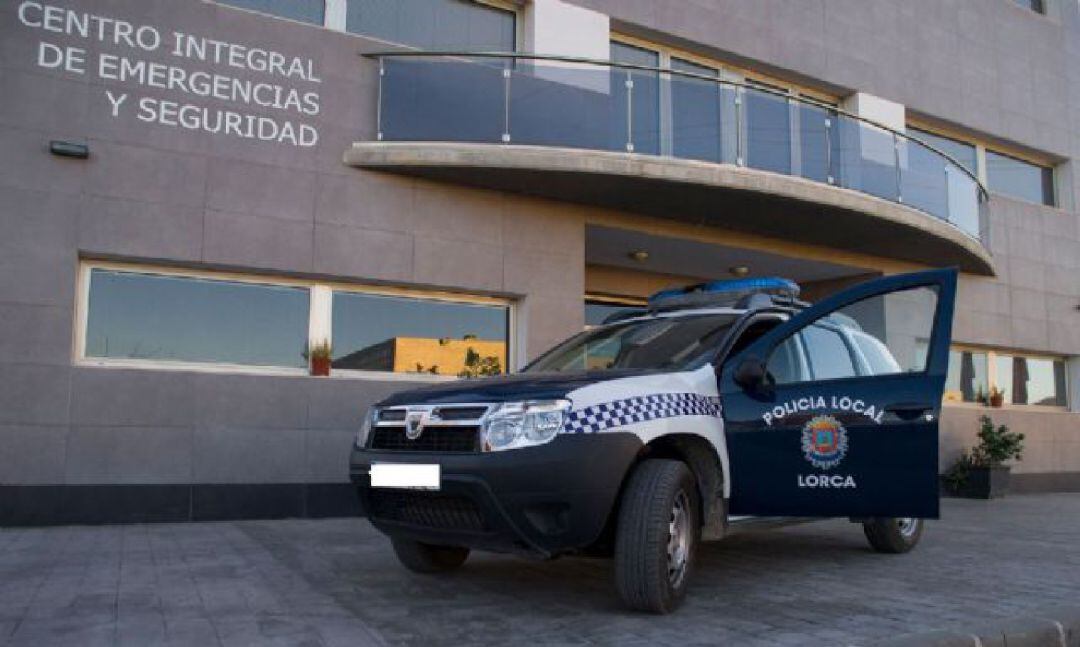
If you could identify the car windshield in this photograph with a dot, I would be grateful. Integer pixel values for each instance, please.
(672, 343)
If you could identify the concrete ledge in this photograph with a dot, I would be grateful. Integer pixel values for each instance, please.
(720, 195)
(50, 505)
(1036, 482)
(1054, 627)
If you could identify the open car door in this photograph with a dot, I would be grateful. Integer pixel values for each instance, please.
(835, 412)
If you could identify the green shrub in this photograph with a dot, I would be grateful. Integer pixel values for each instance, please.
(996, 445)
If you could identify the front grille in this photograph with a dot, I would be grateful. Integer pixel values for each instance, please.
(459, 413)
(427, 509)
(432, 439)
(391, 415)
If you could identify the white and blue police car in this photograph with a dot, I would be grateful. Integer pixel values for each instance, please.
(717, 406)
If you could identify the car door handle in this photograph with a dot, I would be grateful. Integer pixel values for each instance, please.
(908, 410)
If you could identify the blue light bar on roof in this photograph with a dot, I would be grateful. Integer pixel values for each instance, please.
(730, 290)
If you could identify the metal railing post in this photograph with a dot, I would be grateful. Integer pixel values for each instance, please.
(828, 149)
(740, 153)
(629, 112)
(899, 172)
(506, 101)
(948, 206)
(378, 101)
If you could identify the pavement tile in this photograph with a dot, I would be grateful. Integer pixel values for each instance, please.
(335, 582)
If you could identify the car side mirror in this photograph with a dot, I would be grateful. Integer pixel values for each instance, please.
(751, 374)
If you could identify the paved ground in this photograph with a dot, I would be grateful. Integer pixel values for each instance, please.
(335, 582)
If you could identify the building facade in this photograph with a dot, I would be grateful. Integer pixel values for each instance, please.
(199, 196)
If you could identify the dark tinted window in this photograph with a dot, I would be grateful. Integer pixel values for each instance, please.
(1034, 5)
(661, 343)
(434, 24)
(145, 316)
(408, 335)
(1019, 179)
(304, 10)
(828, 354)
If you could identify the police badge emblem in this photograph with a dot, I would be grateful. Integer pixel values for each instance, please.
(824, 442)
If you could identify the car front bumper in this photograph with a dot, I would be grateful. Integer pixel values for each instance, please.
(545, 500)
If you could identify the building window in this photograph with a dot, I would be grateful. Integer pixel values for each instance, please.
(435, 24)
(374, 332)
(1030, 380)
(967, 379)
(138, 316)
(1024, 380)
(962, 152)
(1038, 6)
(1019, 179)
(146, 317)
(599, 308)
(312, 11)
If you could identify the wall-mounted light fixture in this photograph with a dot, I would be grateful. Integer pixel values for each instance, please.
(639, 255)
(739, 270)
(69, 149)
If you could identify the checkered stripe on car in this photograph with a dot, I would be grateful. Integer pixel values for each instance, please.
(620, 413)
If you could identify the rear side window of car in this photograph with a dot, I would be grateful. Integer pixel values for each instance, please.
(828, 354)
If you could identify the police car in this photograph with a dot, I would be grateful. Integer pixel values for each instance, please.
(720, 405)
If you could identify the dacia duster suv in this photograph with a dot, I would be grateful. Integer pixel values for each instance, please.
(719, 405)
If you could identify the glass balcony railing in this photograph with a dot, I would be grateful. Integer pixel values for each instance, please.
(595, 105)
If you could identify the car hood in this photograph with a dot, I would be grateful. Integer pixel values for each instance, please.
(505, 388)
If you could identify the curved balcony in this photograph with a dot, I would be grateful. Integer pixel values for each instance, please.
(676, 144)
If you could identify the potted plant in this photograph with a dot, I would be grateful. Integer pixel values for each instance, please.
(980, 396)
(997, 397)
(981, 473)
(318, 357)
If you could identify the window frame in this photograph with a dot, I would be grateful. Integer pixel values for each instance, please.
(981, 149)
(320, 318)
(502, 5)
(992, 355)
(1055, 200)
(326, 9)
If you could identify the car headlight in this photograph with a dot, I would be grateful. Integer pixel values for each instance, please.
(523, 424)
(365, 427)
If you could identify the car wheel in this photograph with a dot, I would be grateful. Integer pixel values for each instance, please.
(658, 530)
(893, 534)
(428, 558)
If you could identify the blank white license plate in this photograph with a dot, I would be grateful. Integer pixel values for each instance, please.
(405, 475)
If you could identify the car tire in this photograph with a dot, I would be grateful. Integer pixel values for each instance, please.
(658, 530)
(893, 535)
(428, 558)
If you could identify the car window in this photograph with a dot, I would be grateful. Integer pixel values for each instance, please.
(654, 343)
(880, 360)
(784, 365)
(829, 355)
(754, 331)
(890, 331)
